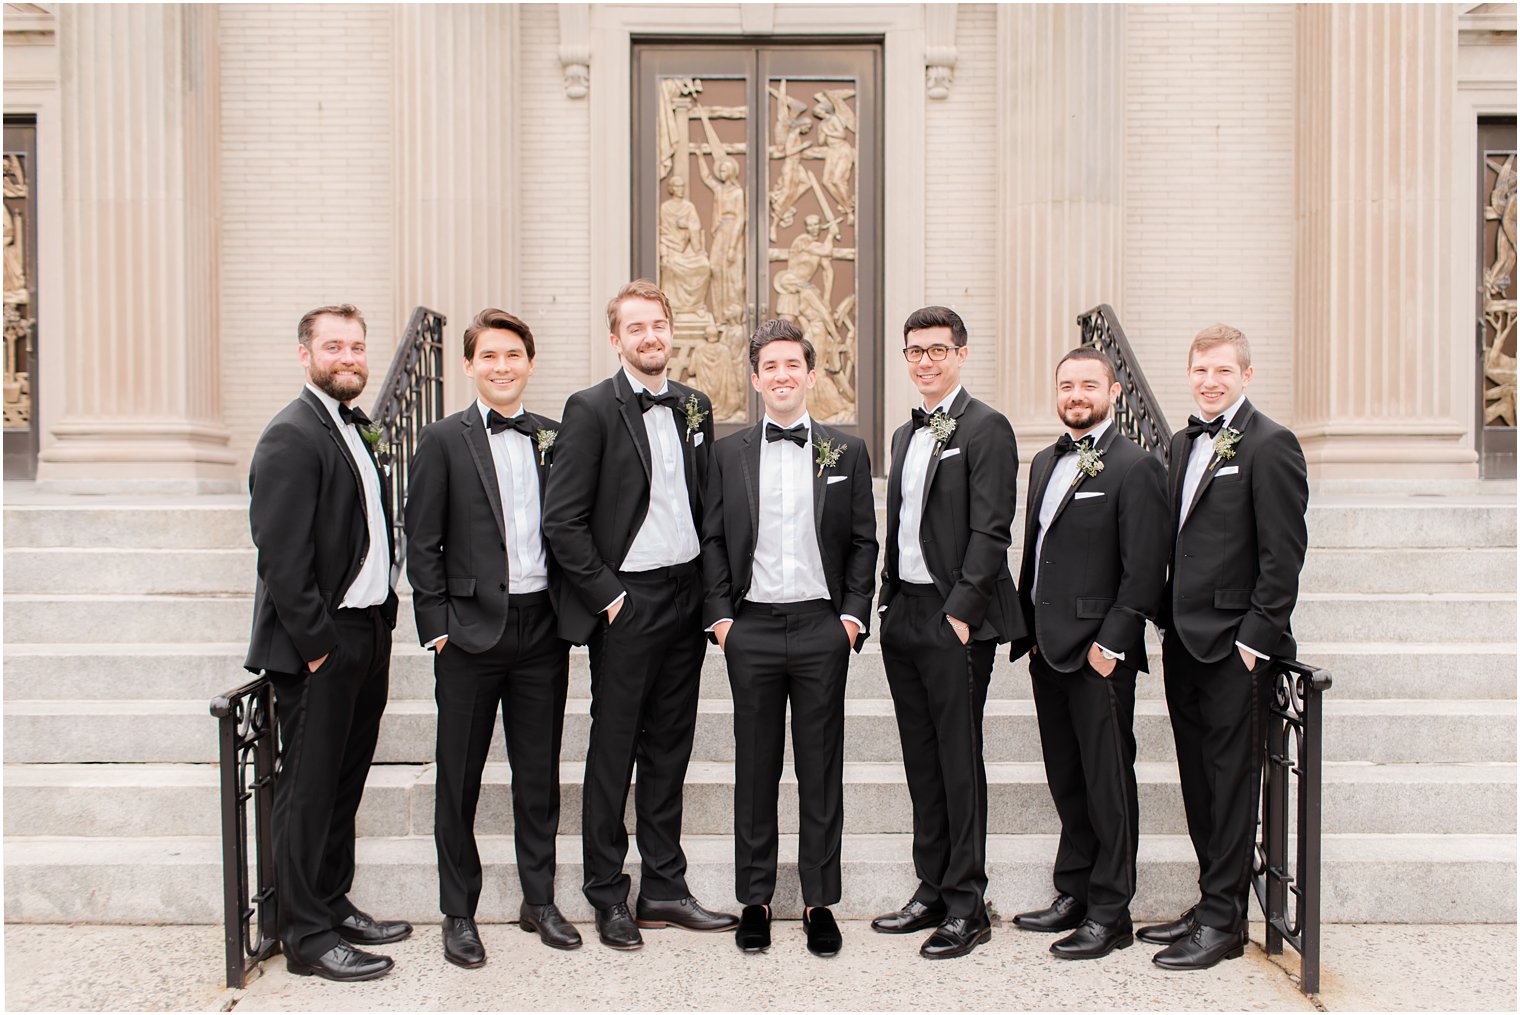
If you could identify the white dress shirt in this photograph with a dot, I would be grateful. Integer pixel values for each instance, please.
(668, 535)
(517, 480)
(910, 555)
(372, 585)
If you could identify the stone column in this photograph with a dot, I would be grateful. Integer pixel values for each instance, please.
(1061, 140)
(1378, 386)
(142, 393)
(456, 180)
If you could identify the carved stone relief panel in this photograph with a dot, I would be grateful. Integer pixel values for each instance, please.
(20, 316)
(1499, 288)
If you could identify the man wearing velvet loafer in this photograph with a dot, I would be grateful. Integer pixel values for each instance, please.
(788, 550)
(1094, 564)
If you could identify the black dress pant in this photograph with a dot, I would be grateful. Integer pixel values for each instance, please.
(329, 721)
(1087, 736)
(1218, 715)
(646, 671)
(775, 652)
(524, 677)
(939, 691)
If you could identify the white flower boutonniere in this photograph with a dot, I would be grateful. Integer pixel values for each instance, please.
(941, 426)
(374, 436)
(1089, 461)
(828, 453)
(694, 416)
(1224, 444)
(545, 441)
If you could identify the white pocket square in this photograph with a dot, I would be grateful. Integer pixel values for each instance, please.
(950, 452)
(1083, 495)
(1229, 470)
(696, 439)
(837, 479)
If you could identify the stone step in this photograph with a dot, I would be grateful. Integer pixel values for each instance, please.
(1458, 523)
(1409, 878)
(1380, 570)
(1394, 618)
(182, 799)
(196, 672)
(1380, 731)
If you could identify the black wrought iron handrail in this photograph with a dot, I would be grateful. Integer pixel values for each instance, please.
(1294, 740)
(1137, 411)
(409, 399)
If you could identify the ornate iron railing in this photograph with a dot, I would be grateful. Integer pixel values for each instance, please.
(1294, 735)
(1137, 412)
(246, 729)
(410, 398)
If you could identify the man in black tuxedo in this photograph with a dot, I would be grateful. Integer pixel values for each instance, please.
(1095, 535)
(481, 576)
(1240, 490)
(622, 515)
(323, 612)
(788, 554)
(947, 601)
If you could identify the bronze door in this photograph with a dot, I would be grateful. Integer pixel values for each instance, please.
(20, 298)
(757, 195)
(1496, 311)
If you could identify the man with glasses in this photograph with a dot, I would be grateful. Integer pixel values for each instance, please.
(947, 601)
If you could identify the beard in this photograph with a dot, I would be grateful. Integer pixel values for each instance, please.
(650, 361)
(1074, 417)
(341, 388)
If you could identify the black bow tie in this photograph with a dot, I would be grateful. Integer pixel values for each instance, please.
(520, 422)
(1197, 426)
(921, 418)
(1065, 445)
(352, 414)
(798, 434)
(648, 401)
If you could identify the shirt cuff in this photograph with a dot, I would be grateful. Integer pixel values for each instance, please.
(853, 620)
(435, 641)
(714, 627)
(619, 599)
(1108, 651)
(1259, 655)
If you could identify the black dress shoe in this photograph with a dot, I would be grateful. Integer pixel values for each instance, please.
(914, 916)
(823, 934)
(754, 933)
(1065, 913)
(461, 942)
(1166, 933)
(1203, 948)
(341, 962)
(687, 912)
(615, 926)
(1093, 940)
(552, 927)
(363, 929)
(959, 935)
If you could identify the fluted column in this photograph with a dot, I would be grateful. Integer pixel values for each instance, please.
(1378, 385)
(1061, 123)
(457, 181)
(140, 176)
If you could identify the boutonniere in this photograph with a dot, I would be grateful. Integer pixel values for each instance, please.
(374, 436)
(694, 416)
(1089, 460)
(1224, 444)
(545, 441)
(828, 453)
(941, 426)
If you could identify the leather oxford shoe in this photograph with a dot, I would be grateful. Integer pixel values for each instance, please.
(1064, 913)
(754, 933)
(341, 962)
(552, 927)
(461, 942)
(823, 937)
(957, 936)
(1093, 940)
(1206, 946)
(362, 929)
(914, 916)
(1166, 933)
(615, 926)
(687, 913)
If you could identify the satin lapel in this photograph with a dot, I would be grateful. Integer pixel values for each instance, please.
(1037, 497)
(541, 460)
(316, 406)
(956, 408)
(1177, 465)
(820, 485)
(1081, 477)
(688, 450)
(1240, 422)
(633, 419)
(900, 438)
(749, 461)
(479, 442)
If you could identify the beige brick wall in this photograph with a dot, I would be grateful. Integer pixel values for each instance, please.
(1209, 191)
(307, 215)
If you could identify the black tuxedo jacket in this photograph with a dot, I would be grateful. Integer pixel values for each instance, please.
(844, 522)
(307, 513)
(969, 501)
(1103, 562)
(1236, 560)
(456, 534)
(599, 492)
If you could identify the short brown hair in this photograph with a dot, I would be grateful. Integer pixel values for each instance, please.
(936, 317)
(1092, 353)
(638, 289)
(1220, 334)
(491, 319)
(308, 326)
(779, 330)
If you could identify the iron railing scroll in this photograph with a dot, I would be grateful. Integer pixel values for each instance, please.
(246, 730)
(1290, 895)
(1137, 411)
(410, 398)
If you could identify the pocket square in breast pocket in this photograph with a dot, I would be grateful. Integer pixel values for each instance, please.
(1228, 470)
(949, 453)
(696, 439)
(1085, 494)
(837, 479)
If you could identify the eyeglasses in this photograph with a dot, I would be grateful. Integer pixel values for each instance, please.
(914, 353)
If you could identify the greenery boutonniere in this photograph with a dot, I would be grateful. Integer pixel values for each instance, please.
(941, 426)
(1224, 444)
(1089, 461)
(694, 416)
(828, 453)
(374, 436)
(545, 441)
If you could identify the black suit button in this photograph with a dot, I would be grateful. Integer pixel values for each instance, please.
(502, 586)
(1043, 603)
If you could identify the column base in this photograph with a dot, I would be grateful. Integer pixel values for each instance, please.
(1398, 451)
(138, 456)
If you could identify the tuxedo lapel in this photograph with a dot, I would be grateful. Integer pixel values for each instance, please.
(1239, 423)
(749, 461)
(325, 417)
(478, 441)
(956, 408)
(541, 460)
(1081, 477)
(820, 486)
(633, 419)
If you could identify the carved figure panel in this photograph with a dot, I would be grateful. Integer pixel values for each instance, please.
(1499, 288)
(19, 311)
